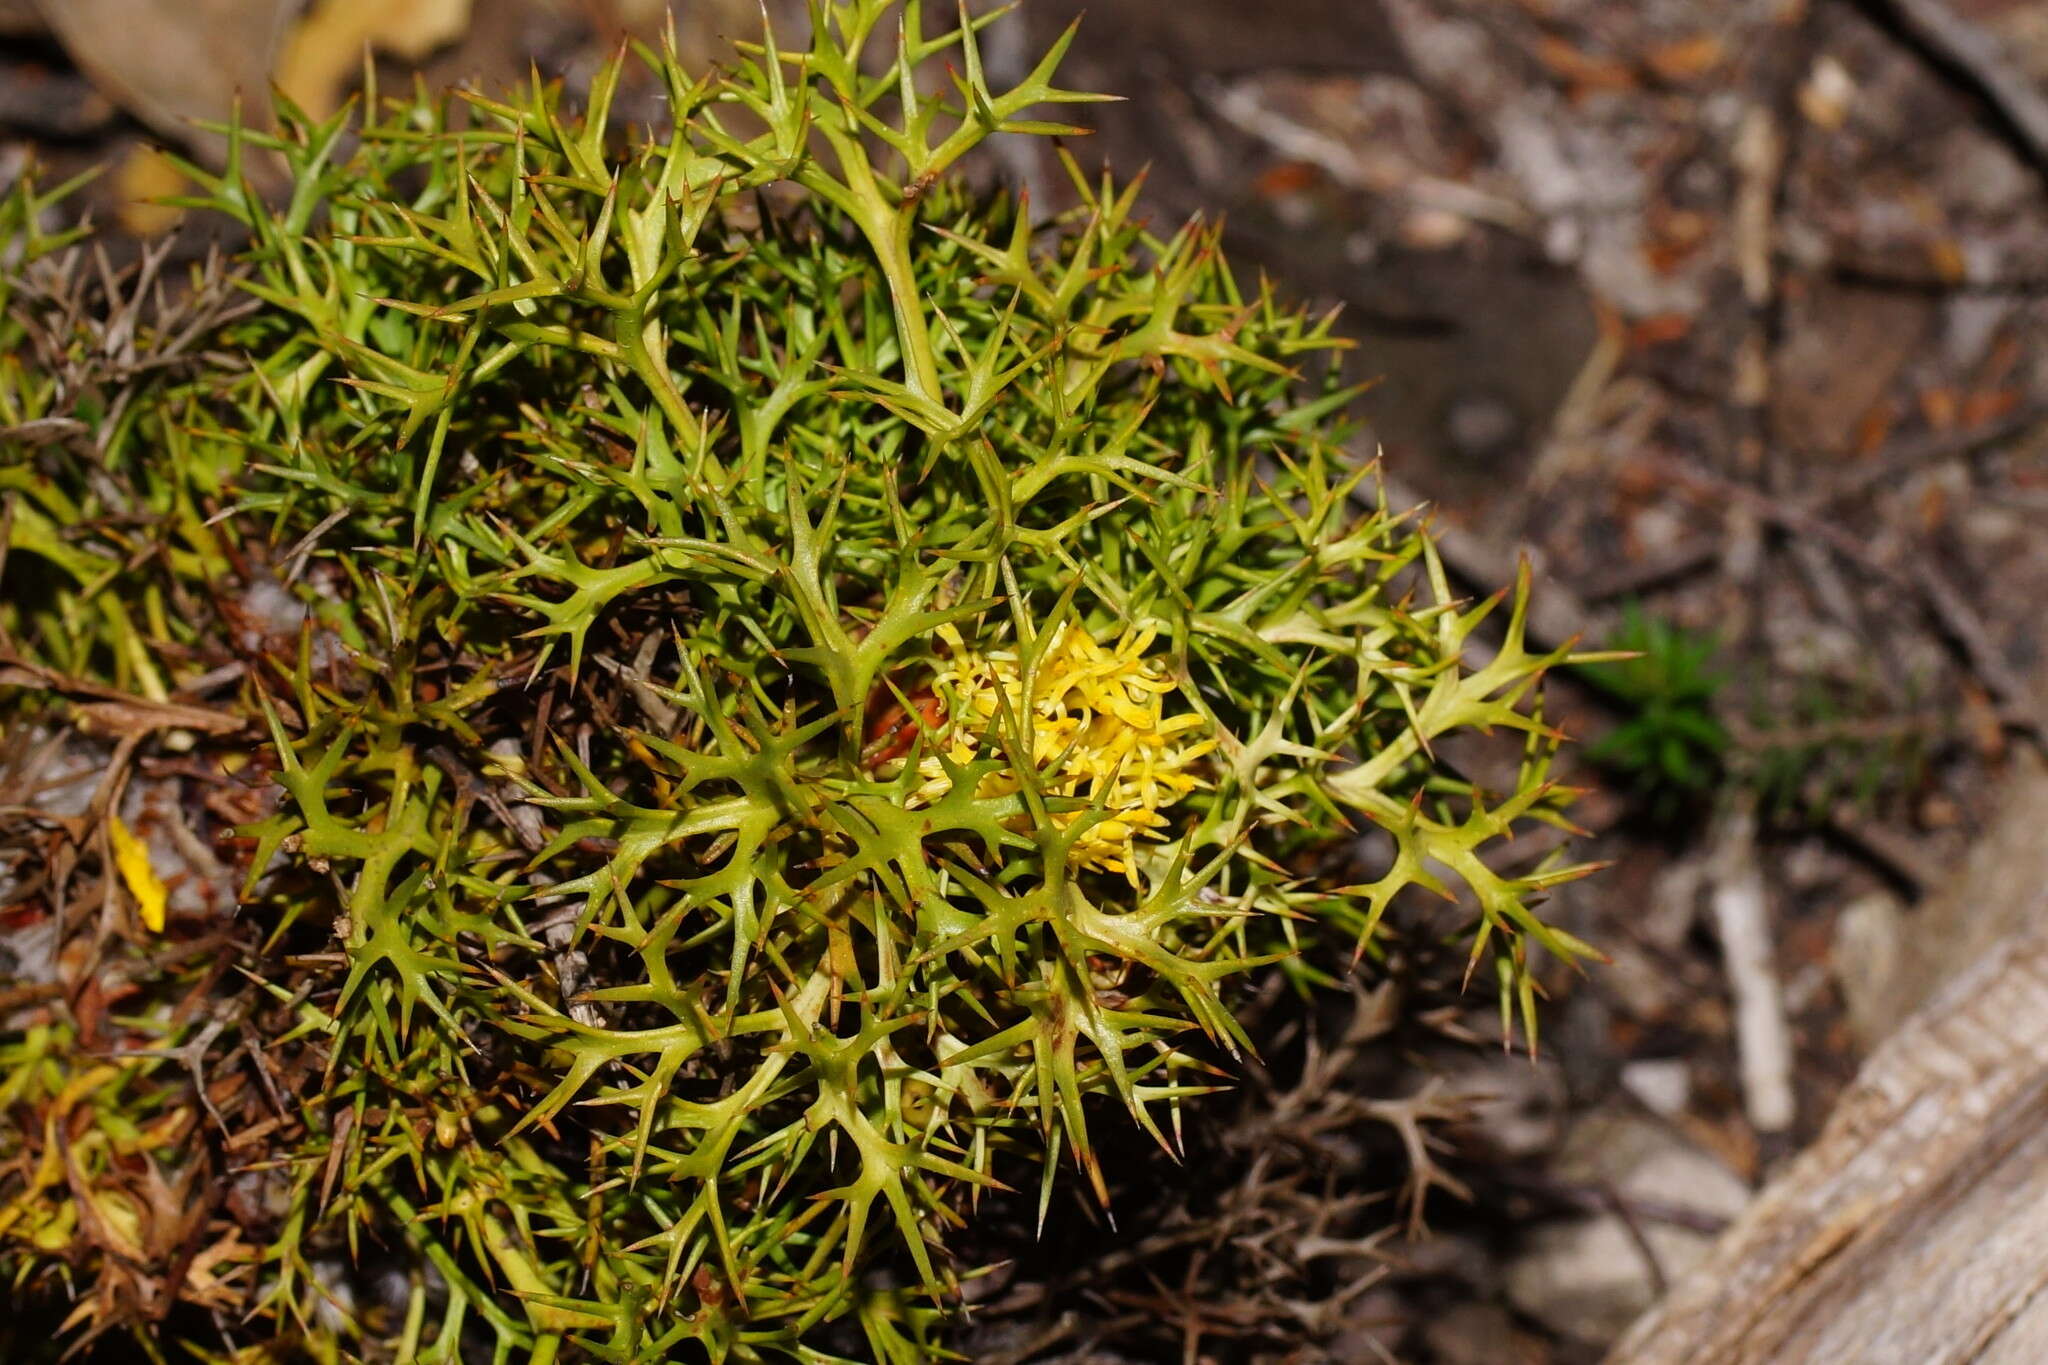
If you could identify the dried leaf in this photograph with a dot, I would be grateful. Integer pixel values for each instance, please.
(1434, 229)
(140, 717)
(1289, 177)
(1998, 366)
(1874, 428)
(1676, 235)
(1946, 256)
(174, 62)
(1933, 508)
(1583, 71)
(1982, 406)
(1986, 728)
(325, 52)
(144, 178)
(112, 711)
(1939, 406)
(1659, 330)
(1687, 59)
(131, 856)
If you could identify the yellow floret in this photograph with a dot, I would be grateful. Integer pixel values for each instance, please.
(1099, 732)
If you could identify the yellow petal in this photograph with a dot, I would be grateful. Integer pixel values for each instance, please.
(131, 856)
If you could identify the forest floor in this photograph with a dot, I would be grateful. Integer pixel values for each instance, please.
(1730, 318)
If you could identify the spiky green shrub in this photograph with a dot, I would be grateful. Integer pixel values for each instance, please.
(759, 690)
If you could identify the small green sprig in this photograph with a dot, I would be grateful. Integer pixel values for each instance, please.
(804, 683)
(1669, 747)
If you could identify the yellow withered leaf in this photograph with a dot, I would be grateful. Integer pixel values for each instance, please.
(325, 52)
(131, 858)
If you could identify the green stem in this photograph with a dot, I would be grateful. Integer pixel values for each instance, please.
(630, 331)
(888, 233)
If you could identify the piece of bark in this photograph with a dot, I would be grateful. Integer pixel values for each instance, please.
(1915, 1230)
(1984, 899)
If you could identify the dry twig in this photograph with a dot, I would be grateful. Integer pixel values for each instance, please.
(1965, 49)
(1943, 601)
(1763, 1039)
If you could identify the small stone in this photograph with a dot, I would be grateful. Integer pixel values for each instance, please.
(1827, 94)
(1515, 1105)
(1978, 171)
(1434, 229)
(1657, 529)
(1474, 1334)
(1939, 812)
(1970, 327)
(1995, 528)
(1481, 426)
(1674, 903)
(1664, 1085)
(1445, 1255)
(1587, 1278)
(1640, 983)
(1810, 865)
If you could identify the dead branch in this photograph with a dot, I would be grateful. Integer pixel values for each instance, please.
(1763, 1038)
(1965, 50)
(1942, 600)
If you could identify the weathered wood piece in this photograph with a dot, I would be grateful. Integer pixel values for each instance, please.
(1915, 1230)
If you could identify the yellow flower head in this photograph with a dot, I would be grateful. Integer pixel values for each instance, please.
(1098, 731)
